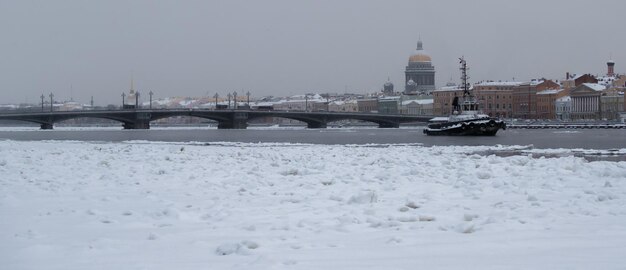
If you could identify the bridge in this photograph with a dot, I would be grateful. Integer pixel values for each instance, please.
(226, 118)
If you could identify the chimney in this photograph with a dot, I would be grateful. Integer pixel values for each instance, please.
(610, 68)
(567, 75)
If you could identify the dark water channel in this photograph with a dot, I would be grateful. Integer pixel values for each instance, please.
(598, 139)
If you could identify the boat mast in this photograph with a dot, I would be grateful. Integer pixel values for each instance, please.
(467, 95)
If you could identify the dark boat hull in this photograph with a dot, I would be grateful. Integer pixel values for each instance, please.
(480, 127)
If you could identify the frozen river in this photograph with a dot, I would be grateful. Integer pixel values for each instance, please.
(229, 205)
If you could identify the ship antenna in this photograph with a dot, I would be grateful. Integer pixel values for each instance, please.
(464, 77)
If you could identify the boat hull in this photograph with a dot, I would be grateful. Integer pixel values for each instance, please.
(481, 127)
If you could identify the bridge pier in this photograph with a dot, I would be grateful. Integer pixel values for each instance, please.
(239, 120)
(141, 121)
(46, 126)
(137, 125)
(388, 125)
(316, 125)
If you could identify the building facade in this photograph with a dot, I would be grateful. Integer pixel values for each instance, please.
(572, 80)
(442, 99)
(496, 98)
(586, 102)
(343, 106)
(611, 106)
(389, 105)
(367, 105)
(417, 107)
(563, 108)
(546, 103)
(525, 97)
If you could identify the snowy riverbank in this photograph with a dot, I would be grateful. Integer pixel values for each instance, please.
(140, 205)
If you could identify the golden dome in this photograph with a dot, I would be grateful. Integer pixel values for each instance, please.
(419, 57)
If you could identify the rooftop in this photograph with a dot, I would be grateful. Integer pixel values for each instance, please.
(595, 86)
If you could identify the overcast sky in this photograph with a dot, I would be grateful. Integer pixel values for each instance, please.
(78, 49)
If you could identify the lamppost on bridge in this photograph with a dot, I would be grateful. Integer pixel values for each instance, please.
(51, 102)
(229, 96)
(42, 97)
(150, 93)
(91, 102)
(235, 99)
(137, 100)
(327, 102)
(248, 99)
(216, 96)
(123, 100)
(306, 102)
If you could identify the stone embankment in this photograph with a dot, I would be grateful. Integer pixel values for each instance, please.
(568, 126)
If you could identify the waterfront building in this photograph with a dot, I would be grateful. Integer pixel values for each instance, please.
(563, 108)
(611, 105)
(572, 80)
(417, 107)
(546, 102)
(419, 73)
(496, 98)
(524, 97)
(367, 105)
(389, 105)
(586, 101)
(301, 103)
(343, 106)
(442, 99)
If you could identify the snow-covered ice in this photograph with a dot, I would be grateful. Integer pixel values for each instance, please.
(142, 205)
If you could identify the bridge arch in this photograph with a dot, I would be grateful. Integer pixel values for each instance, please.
(321, 120)
(309, 121)
(184, 119)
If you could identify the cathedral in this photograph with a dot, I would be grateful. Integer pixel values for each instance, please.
(420, 73)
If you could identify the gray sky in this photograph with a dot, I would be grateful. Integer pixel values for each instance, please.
(82, 48)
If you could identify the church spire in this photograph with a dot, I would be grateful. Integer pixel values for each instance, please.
(419, 44)
(132, 84)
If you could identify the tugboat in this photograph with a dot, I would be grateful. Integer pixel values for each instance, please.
(466, 119)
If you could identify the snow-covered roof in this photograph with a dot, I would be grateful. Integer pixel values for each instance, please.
(262, 104)
(389, 98)
(418, 101)
(449, 88)
(500, 83)
(606, 80)
(595, 86)
(536, 82)
(549, 91)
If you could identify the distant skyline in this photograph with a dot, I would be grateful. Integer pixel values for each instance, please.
(78, 49)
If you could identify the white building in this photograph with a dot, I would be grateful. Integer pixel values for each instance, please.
(417, 107)
(343, 106)
(563, 108)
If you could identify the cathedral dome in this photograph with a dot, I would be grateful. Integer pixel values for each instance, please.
(420, 55)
